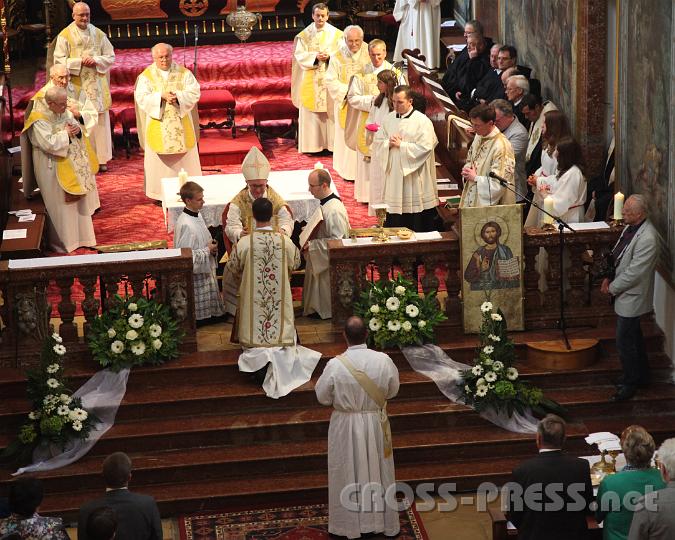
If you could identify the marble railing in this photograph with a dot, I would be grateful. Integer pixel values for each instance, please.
(437, 262)
(33, 296)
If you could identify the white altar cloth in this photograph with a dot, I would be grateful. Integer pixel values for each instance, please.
(220, 189)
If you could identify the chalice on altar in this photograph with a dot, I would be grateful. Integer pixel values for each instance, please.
(381, 214)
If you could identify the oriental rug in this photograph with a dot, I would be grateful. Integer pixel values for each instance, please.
(290, 523)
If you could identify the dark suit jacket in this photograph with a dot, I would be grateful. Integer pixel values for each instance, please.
(137, 515)
(571, 477)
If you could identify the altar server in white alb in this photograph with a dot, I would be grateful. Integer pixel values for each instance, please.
(313, 48)
(420, 28)
(166, 97)
(263, 260)
(335, 224)
(191, 232)
(404, 145)
(64, 165)
(358, 383)
(350, 59)
(88, 54)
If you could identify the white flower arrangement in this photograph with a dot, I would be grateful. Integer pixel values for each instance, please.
(511, 374)
(488, 349)
(59, 349)
(111, 333)
(394, 325)
(34, 415)
(477, 370)
(407, 326)
(117, 346)
(155, 330)
(65, 399)
(481, 391)
(486, 307)
(393, 303)
(136, 321)
(375, 309)
(412, 311)
(497, 365)
(492, 337)
(138, 348)
(490, 376)
(400, 290)
(77, 425)
(53, 383)
(496, 317)
(421, 324)
(63, 410)
(53, 368)
(131, 335)
(374, 324)
(57, 338)
(157, 344)
(132, 306)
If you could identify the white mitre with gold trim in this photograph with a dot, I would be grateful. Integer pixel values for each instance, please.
(255, 165)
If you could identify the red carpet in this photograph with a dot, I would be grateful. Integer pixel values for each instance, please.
(292, 523)
(217, 147)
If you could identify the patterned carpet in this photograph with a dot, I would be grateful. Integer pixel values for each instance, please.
(292, 523)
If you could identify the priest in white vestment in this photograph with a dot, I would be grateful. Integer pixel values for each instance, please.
(166, 97)
(420, 28)
(88, 54)
(404, 145)
(316, 290)
(83, 111)
(265, 323)
(490, 151)
(357, 384)
(312, 50)
(363, 89)
(350, 59)
(239, 219)
(64, 165)
(191, 232)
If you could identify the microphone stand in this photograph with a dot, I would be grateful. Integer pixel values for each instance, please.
(562, 225)
(184, 47)
(194, 66)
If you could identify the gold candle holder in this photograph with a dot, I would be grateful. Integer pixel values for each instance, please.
(616, 222)
(548, 227)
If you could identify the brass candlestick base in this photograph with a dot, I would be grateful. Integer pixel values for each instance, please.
(548, 227)
(616, 222)
(381, 236)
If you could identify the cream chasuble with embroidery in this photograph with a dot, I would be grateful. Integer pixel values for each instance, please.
(265, 259)
(492, 153)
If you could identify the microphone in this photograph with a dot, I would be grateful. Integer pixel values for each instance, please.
(502, 181)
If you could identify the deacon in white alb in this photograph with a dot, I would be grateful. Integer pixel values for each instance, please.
(420, 28)
(166, 97)
(357, 384)
(313, 48)
(191, 232)
(316, 289)
(404, 145)
(350, 60)
(88, 54)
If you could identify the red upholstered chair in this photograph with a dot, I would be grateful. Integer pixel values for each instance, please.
(274, 110)
(127, 118)
(218, 100)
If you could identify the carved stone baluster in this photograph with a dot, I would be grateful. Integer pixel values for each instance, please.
(137, 284)
(384, 267)
(90, 304)
(531, 284)
(553, 280)
(344, 292)
(576, 277)
(66, 308)
(453, 284)
(429, 280)
(408, 267)
(111, 283)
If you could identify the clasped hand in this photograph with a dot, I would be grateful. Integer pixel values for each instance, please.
(72, 130)
(395, 141)
(170, 98)
(88, 61)
(469, 173)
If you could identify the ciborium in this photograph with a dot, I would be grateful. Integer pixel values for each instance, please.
(381, 214)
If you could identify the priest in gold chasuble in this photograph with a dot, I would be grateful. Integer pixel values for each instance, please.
(166, 97)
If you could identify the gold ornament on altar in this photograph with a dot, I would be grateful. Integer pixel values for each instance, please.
(193, 8)
(381, 213)
(242, 22)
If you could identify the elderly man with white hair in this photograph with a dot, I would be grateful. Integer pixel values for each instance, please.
(654, 516)
(166, 97)
(88, 55)
(350, 59)
(517, 87)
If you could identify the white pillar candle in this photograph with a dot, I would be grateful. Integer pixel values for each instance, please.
(548, 206)
(182, 177)
(618, 205)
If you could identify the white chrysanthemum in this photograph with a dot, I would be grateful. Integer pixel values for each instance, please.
(412, 310)
(477, 370)
(421, 324)
(498, 366)
(63, 410)
(53, 383)
(131, 335)
(59, 349)
(132, 307)
(157, 344)
(467, 388)
(117, 346)
(155, 330)
(65, 399)
(496, 317)
(494, 338)
(512, 374)
(53, 368)
(406, 326)
(77, 425)
(488, 361)
(78, 414)
(486, 306)
(394, 326)
(374, 308)
(51, 400)
(393, 303)
(488, 349)
(34, 415)
(481, 391)
(136, 320)
(138, 348)
(400, 290)
(111, 333)
(374, 324)
(490, 376)
(480, 382)
(57, 338)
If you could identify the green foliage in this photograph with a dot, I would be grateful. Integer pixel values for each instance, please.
(396, 314)
(134, 332)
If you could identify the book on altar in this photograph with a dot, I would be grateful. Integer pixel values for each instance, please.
(310, 230)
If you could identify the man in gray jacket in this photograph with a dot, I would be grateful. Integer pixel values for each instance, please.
(508, 123)
(632, 288)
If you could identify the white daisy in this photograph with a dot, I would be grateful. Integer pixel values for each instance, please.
(65, 399)
(490, 376)
(477, 370)
(421, 324)
(374, 308)
(412, 310)
(400, 290)
(53, 383)
(393, 303)
(480, 382)
(34, 415)
(486, 306)
(57, 338)
(406, 326)
(63, 410)
(77, 425)
(53, 368)
(78, 414)
(132, 335)
(394, 326)
(138, 348)
(117, 346)
(494, 338)
(136, 320)
(155, 330)
(512, 374)
(498, 366)
(59, 349)
(496, 317)
(374, 324)
(111, 333)
(157, 344)
(488, 349)
(481, 391)
(132, 307)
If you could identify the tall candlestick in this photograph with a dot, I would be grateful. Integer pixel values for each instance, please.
(182, 177)
(548, 206)
(618, 206)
